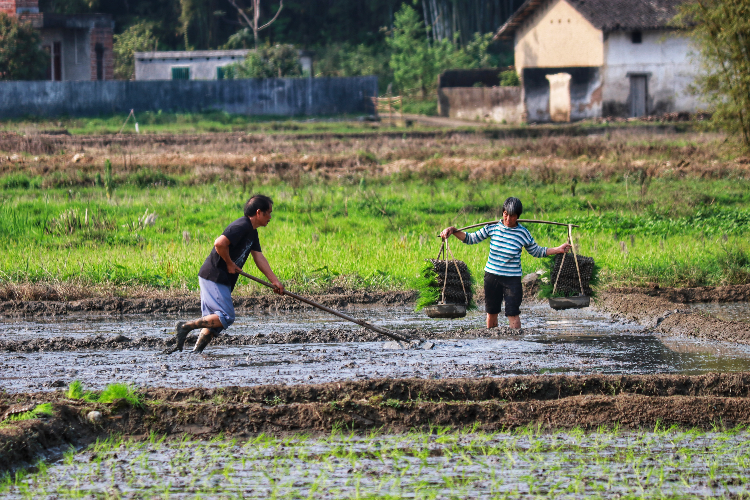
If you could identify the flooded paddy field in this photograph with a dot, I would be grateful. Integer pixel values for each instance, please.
(263, 348)
(438, 463)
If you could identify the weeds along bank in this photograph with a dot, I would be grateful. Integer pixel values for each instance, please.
(364, 212)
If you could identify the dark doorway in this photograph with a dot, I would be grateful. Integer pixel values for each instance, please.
(57, 61)
(99, 48)
(638, 95)
(48, 73)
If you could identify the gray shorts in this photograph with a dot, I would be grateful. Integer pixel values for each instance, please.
(217, 299)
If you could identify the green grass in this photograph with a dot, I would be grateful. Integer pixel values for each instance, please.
(42, 410)
(160, 123)
(110, 394)
(366, 233)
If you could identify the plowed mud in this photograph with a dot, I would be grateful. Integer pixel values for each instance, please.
(190, 304)
(670, 318)
(395, 405)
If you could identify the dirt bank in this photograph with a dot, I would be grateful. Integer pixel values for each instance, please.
(395, 405)
(732, 293)
(664, 316)
(191, 304)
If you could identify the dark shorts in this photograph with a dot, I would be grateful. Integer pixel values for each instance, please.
(499, 288)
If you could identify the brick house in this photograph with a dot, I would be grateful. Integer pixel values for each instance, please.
(79, 45)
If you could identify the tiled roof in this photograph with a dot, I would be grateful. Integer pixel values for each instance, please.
(606, 15)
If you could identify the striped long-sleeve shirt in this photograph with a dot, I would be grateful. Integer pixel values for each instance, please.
(505, 247)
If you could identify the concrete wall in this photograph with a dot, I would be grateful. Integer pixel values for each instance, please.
(274, 96)
(664, 57)
(557, 36)
(202, 64)
(585, 93)
(487, 104)
(76, 53)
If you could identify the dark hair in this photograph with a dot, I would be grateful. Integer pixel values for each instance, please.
(513, 206)
(257, 202)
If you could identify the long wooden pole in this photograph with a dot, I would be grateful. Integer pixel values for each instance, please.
(527, 221)
(393, 335)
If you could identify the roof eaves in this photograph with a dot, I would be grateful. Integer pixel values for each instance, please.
(507, 30)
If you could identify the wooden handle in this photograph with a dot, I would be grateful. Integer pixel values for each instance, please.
(389, 334)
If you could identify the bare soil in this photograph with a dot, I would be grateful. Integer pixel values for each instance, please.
(659, 313)
(394, 405)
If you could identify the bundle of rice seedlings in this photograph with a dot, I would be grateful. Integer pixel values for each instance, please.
(568, 284)
(430, 281)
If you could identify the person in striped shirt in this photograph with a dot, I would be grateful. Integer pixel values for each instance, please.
(502, 274)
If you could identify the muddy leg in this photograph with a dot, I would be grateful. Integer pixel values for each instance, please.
(182, 328)
(514, 322)
(207, 334)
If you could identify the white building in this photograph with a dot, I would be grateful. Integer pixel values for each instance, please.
(582, 59)
(198, 64)
(185, 65)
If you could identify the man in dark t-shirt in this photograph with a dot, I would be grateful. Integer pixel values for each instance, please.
(218, 274)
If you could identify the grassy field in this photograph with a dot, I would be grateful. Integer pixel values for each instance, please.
(150, 122)
(441, 463)
(368, 233)
(364, 212)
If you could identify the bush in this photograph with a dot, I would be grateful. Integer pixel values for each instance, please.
(509, 78)
(21, 54)
(275, 61)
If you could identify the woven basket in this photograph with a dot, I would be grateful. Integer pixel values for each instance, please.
(454, 292)
(567, 283)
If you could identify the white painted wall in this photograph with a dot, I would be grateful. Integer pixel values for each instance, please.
(202, 64)
(665, 56)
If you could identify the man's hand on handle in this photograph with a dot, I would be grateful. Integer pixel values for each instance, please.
(278, 287)
(232, 268)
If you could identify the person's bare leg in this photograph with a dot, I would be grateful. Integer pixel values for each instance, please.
(184, 327)
(491, 320)
(514, 322)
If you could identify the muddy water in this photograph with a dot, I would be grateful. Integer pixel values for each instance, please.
(571, 342)
(436, 465)
(725, 311)
(535, 315)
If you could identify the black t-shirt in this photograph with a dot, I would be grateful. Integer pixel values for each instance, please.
(242, 239)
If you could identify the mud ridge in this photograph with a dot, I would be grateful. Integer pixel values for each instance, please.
(333, 335)
(663, 316)
(117, 305)
(730, 293)
(393, 405)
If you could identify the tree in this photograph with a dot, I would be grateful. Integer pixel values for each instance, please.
(721, 30)
(21, 56)
(253, 24)
(412, 60)
(137, 38)
(267, 62)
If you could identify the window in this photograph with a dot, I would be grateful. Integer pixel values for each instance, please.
(636, 37)
(57, 61)
(220, 73)
(181, 73)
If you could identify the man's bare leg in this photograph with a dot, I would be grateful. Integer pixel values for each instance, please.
(184, 327)
(491, 320)
(514, 322)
